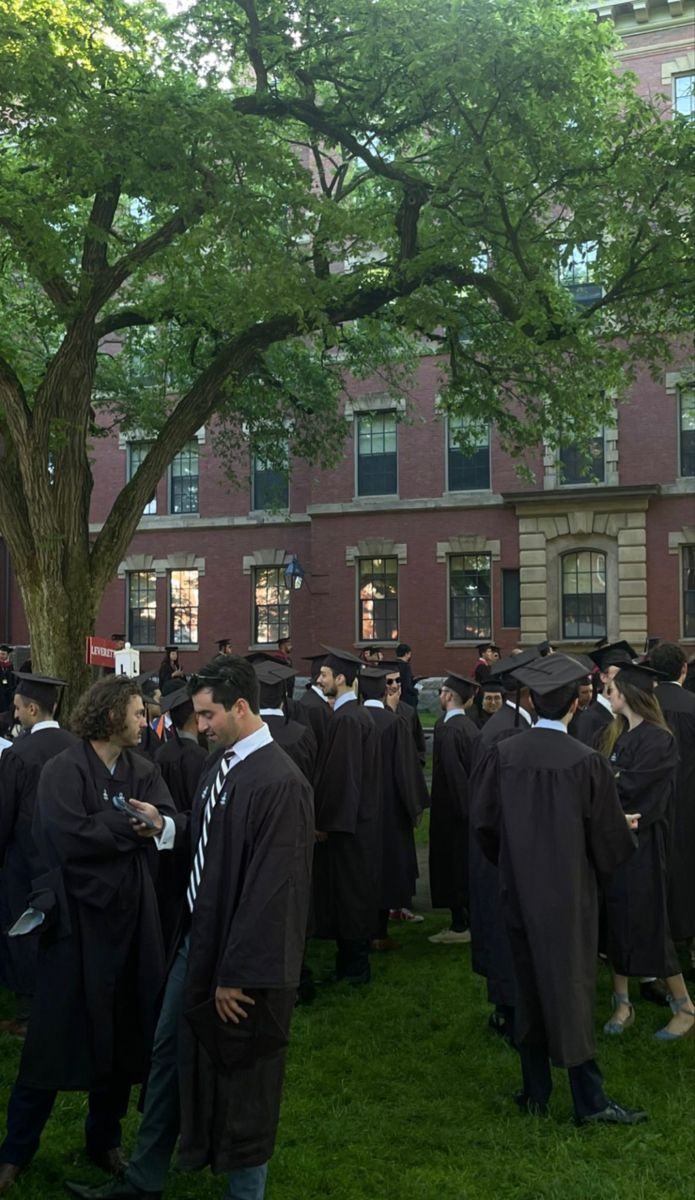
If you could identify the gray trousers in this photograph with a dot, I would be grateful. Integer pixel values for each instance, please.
(159, 1128)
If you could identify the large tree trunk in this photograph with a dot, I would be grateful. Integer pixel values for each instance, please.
(60, 619)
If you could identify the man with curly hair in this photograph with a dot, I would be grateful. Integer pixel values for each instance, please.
(101, 958)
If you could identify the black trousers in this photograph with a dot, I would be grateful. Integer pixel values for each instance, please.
(586, 1081)
(28, 1111)
(352, 960)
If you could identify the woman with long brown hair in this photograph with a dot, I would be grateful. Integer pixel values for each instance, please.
(642, 751)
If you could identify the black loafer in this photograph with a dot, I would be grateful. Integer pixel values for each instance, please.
(529, 1107)
(615, 1114)
(113, 1162)
(655, 991)
(115, 1189)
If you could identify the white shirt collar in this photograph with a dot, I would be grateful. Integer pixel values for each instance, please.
(373, 704)
(675, 682)
(544, 723)
(44, 725)
(525, 715)
(454, 712)
(344, 699)
(319, 692)
(248, 745)
(606, 703)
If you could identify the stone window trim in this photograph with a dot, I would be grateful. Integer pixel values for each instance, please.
(676, 381)
(683, 64)
(376, 548)
(551, 459)
(180, 561)
(373, 402)
(469, 543)
(139, 435)
(264, 558)
(681, 537)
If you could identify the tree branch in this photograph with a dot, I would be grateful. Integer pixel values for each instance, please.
(94, 251)
(55, 286)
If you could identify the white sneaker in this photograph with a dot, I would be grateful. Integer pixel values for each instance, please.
(449, 937)
(404, 914)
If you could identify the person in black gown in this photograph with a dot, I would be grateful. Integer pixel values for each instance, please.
(296, 739)
(588, 726)
(643, 755)
(545, 808)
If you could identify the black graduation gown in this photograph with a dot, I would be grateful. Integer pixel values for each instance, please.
(101, 957)
(545, 809)
(409, 693)
(20, 768)
(452, 760)
(491, 955)
(182, 762)
(297, 741)
(645, 762)
(404, 799)
(149, 744)
(247, 930)
(410, 716)
(311, 710)
(678, 707)
(587, 726)
(347, 865)
(7, 688)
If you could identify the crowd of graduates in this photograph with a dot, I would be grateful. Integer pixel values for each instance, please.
(174, 851)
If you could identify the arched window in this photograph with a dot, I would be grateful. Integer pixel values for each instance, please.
(584, 594)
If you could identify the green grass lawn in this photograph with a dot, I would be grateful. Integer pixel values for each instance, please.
(397, 1091)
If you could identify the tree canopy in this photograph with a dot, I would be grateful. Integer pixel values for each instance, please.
(220, 211)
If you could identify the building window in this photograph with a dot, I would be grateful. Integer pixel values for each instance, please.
(142, 608)
(583, 463)
(183, 608)
(270, 486)
(470, 597)
(378, 599)
(271, 605)
(687, 431)
(377, 460)
(137, 452)
(184, 480)
(684, 94)
(577, 272)
(511, 598)
(467, 471)
(584, 594)
(688, 559)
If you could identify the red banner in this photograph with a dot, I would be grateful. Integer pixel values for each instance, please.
(99, 652)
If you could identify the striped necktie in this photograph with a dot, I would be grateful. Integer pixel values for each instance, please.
(199, 860)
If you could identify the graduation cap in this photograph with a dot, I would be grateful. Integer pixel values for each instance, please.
(551, 674)
(316, 660)
(612, 655)
(343, 662)
(42, 689)
(496, 685)
(174, 700)
(465, 688)
(505, 666)
(222, 642)
(372, 681)
(118, 637)
(273, 672)
(640, 676)
(4, 646)
(259, 656)
(171, 685)
(544, 648)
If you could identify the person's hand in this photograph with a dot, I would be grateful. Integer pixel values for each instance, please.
(153, 813)
(229, 1001)
(320, 835)
(633, 820)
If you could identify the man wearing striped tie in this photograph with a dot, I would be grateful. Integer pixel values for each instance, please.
(216, 1077)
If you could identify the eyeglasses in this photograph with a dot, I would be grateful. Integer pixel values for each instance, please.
(196, 682)
(393, 683)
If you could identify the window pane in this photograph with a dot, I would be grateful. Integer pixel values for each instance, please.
(687, 423)
(511, 598)
(583, 463)
(584, 595)
(468, 472)
(688, 591)
(183, 607)
(378, 599)
(377, 461)
(271, 620)
(684, 94)
(184, 480)
(142, 608)
(270, 486)
(470, 599)
(137, 451)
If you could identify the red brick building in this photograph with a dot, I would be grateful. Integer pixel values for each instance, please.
(408, 539)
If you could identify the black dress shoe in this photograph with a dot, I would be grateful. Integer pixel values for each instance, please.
(529, 1107)
(655, 991)
(615, 1114)
(115, 1189)
(113, 1162)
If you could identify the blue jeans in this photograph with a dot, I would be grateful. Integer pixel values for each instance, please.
(159, 1128)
